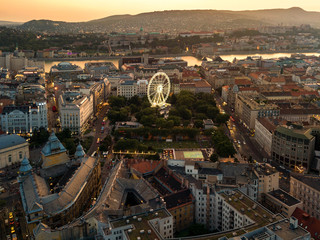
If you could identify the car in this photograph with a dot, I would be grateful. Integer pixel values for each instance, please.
(244, 142)
(239, 142)
(14, 237)
(10, 215)
(12, 229)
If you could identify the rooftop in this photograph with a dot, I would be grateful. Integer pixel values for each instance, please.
(177, 199)
(250, 208)
(7, 141)
(284, 231)
(142, 224)
(145, 166)
(297, 133)
(284, 197)
(265, 169)
(310, 180)
(53, 146)
(306, 221)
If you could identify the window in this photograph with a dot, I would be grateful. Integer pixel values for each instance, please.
(10, 158)
(20, 155)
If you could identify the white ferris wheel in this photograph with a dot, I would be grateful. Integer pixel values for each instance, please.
(158, 89)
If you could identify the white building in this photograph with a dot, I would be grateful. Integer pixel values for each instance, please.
(156, 224)
(130, 88)
(263, 133)
(24, 119)
(17, 63)
(75, 110)
(13, 149)
(225, 210)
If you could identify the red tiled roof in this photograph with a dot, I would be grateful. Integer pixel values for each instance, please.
(312, 224)
(145, 166)
(242, 81)
(277, 79)
(202, 83)
(300, 93)
(242, 89)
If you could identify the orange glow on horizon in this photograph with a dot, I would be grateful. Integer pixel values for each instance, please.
(81, 10)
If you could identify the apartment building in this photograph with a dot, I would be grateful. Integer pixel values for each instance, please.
(156, 224)
(279, 201)
(263, 133)
(268, 179)
(249, 109)
(130, 88)
(75, 109)
(225, 210)
(307, 189)
(293, 147)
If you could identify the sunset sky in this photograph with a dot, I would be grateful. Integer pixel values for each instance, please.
(84, 10)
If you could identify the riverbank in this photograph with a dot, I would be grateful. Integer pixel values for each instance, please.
(93, 58)
(241, 53)
(248, 53)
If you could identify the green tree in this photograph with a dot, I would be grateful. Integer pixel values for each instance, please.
(106, 143)
(198, 123)
(214, 157)
(212, 112)
(222, 118)
(69, 145)
(39, 137)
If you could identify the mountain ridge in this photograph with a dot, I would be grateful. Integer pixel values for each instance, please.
(181, 20)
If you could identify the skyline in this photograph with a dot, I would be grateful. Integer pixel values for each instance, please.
(81, 11)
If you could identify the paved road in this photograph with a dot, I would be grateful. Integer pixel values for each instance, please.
(97, 126)
(249, 147)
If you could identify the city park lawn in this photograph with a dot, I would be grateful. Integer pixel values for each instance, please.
(160, 145)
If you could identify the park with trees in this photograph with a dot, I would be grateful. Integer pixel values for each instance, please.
(183, 123)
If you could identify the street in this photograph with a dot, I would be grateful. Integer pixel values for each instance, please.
(97, 128)
(246, 145)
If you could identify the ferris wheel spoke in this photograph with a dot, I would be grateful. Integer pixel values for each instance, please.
(155, 98)
(153, 93)
(161, 97)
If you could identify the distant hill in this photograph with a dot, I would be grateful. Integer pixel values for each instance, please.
(181, 20)
(8, 23)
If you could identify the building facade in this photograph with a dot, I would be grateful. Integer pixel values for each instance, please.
(307, 189)
(249, 110)
(75, 109)
(13, 149)
(24, 119)
(293, 148)
(263, 134)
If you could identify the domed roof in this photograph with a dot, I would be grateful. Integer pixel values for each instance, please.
(25, 166)
(64, 64)
(79, 151)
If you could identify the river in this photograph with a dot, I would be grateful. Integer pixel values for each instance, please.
(190, 59)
